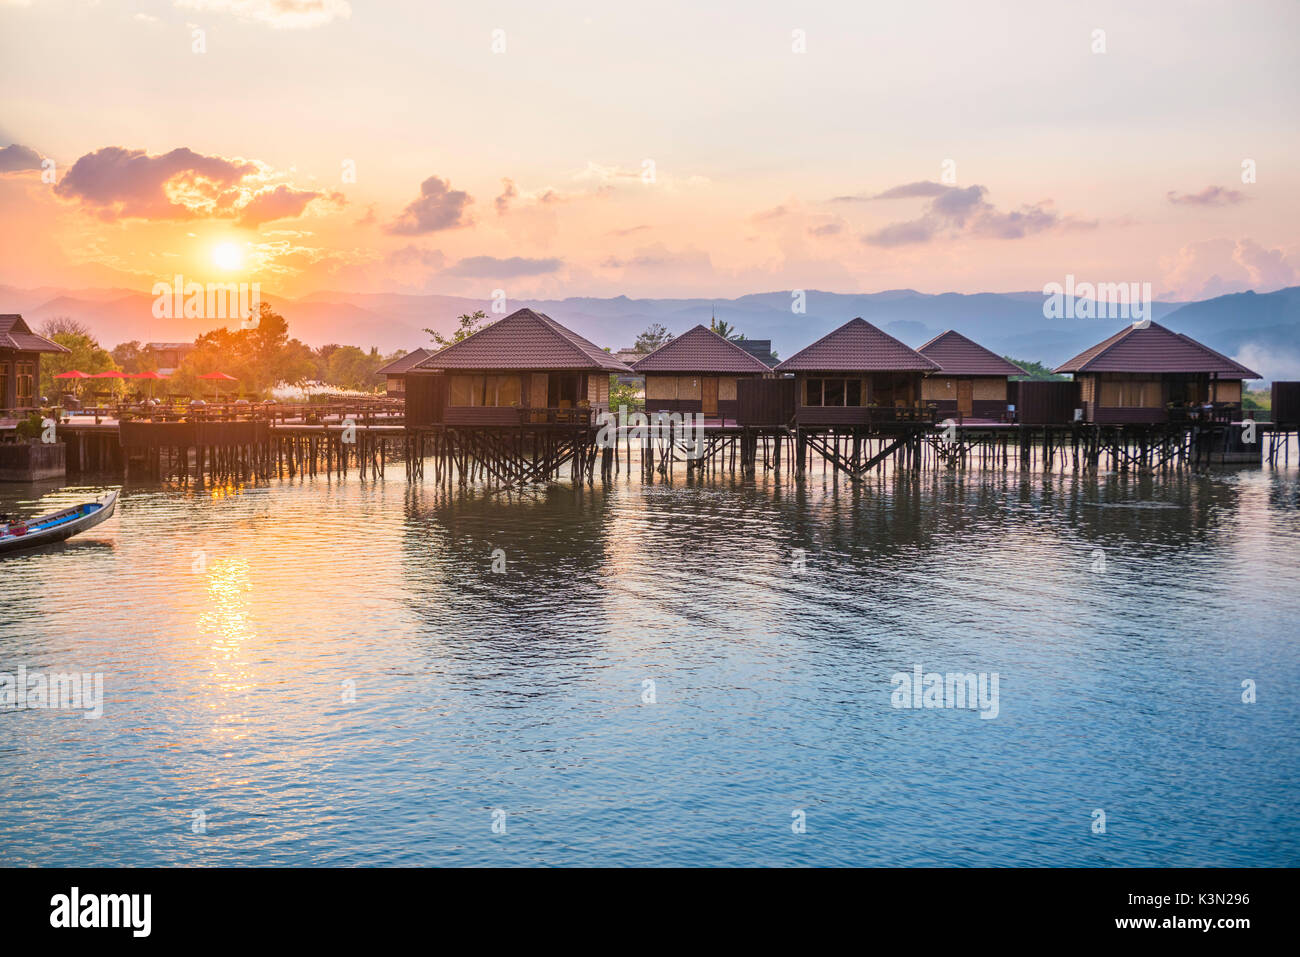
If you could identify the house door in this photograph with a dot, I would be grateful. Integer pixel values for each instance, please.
(965, 396)
(709, 395)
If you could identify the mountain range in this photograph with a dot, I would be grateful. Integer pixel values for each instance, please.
(1261, 330)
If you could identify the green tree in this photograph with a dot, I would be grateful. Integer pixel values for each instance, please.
(85, 355)
(654, 336)
(469, 324)
(725, 329)
(1037, 371)
(133, 357)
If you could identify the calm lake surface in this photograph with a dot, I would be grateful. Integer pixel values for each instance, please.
(1121, 614)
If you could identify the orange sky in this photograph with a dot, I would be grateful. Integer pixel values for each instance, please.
(662, 150)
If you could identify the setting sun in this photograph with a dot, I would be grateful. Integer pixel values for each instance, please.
(228, 256)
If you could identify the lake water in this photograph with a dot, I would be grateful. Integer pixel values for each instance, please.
(660, 676)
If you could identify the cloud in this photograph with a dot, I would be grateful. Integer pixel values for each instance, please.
(923, 188)
(826, 229)
(411, 255)
(955, 211)
(768, 215)
(491, 267)
(438, 207)
(659, 256)
(1210, 196)
(277, 14)
(508, 193)
(16, 159)
(280, 202)
(1216, 267)
(117, 183)
(629, 231)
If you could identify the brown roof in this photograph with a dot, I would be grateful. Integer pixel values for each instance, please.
(857, 346)
(404, 363)
(15, 334)
(523, 340)
(957, 355)
(700, 350)
(1153, 348)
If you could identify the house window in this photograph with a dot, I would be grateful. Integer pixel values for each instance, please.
(488, 390)
(396, 383)
(4, 384)
(839, 392)
(1131, 394)
(25, 376)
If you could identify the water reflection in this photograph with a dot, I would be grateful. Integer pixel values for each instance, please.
(761, 618)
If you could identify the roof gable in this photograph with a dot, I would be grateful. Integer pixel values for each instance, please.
(523, 340)
(1153, 348)
(957, 355)
(16, 334)
(857, 346)
(700, 350)
(404, 363)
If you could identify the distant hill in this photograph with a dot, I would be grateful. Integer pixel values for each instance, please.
(1260, 329)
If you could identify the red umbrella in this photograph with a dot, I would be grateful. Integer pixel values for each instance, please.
(110, 374)
(151, 376)
(215, 377)
(73, 374)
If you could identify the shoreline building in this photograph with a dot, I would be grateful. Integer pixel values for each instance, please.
(395, 371)
(525, 368)
(972, 381)
(851, 371)
(20, 363)
(1146, 374)
(697, 372)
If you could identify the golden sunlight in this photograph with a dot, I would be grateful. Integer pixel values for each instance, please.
(227, 256)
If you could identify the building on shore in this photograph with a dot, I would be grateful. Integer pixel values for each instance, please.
(971, 381)
(760, 349)
(697, 372)
(20, 364)
(394, 373)
(523, 368)
(168, 356)
(848, 372)
(1147, 374)
(629, 358)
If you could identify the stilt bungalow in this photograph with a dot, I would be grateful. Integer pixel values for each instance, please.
(697, 372)
(394, 372)
(1146, 374)
(971, 382)
(20, 364)
(525, 368)
(852, 375)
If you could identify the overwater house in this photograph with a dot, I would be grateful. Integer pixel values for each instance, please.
(852, 375)
(1147, 374)
(697, 372)
(20, 364)
(525, 368)
(972, 381)
(394, 372)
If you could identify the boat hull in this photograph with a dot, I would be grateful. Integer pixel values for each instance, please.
(60, 526)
